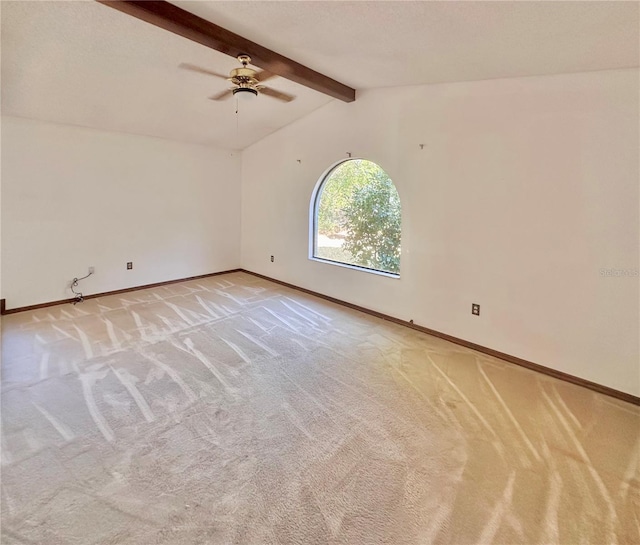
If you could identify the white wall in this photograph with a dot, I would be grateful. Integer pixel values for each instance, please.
(74, 198)
(526, 189)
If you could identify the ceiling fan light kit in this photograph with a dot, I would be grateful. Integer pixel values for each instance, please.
(245, 92)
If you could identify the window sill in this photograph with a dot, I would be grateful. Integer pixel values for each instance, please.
(354, 267)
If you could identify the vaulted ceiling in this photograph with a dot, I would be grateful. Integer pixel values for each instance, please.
(85, 64)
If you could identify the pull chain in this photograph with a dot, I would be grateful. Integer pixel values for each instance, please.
(237, 119)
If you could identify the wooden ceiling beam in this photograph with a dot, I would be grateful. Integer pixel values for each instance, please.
(174, 19)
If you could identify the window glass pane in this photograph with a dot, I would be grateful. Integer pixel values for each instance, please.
(358, 217)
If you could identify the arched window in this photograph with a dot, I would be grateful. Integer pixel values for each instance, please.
(356, 217)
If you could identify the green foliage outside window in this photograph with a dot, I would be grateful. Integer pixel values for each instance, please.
(359, 208)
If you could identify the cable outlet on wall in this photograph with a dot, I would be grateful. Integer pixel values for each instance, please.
(475, 309)
(129, 265)
(92, 270)
(272, 259)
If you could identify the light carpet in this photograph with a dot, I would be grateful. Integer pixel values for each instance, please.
(231, 410)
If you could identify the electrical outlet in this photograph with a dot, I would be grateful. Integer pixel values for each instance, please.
(129, 265)
(272, 259)
(92, 270)
(475, 309)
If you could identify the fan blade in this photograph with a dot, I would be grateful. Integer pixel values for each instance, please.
(221, 96)
(194, 68)
(264, 75)
(284, 97)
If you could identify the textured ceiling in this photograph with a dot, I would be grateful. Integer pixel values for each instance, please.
(379, 44)
(86, 64)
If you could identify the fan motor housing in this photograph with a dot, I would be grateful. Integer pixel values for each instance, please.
(243, 73)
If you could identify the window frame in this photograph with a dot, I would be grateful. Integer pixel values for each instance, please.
(313, 222)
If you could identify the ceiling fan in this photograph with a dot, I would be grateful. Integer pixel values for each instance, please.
(247, 81)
